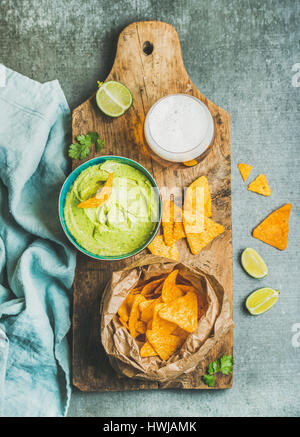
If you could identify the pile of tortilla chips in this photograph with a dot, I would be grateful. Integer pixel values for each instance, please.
(162, 313)
(274, 229)
(192, 223)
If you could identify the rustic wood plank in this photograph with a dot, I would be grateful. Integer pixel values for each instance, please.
(149, 77)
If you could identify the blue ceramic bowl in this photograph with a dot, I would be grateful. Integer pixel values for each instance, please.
(67, 185)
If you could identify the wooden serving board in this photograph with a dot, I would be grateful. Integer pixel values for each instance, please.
(149, 76)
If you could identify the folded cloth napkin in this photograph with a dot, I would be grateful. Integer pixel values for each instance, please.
(36, 262)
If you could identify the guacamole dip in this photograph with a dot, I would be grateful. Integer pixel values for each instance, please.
(124, 222)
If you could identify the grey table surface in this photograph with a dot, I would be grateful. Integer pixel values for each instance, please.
(243, 55)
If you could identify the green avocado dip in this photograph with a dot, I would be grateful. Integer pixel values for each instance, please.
(123, 223)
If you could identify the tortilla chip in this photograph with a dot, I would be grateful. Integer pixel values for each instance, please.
(124, 323)
(158, 247)
(170, 290)
(140, 327)
(159, 324)
(260, 185)
(123, 311)
(147, 350)
(197, 198)
(197, 241)
(274, 229)
(181, 333)
(172, 223)
(157, 291)
(190, 163)
(182, 311)
(150, 287)
(165, 346)
(147, 312)
(100, 197)
(135, 315)
(245, 170)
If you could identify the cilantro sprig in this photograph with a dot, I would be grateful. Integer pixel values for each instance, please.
(82, 149)
(223, 365)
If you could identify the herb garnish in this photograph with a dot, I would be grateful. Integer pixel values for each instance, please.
(223, 365)
(82, 149)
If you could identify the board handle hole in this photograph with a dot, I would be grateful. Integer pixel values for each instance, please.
(147, 48)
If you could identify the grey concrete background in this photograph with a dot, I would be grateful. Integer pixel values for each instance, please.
(240, 54)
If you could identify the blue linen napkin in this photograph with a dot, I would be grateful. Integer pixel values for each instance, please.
(36, 262)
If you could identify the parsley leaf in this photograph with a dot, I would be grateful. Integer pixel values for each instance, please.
(82, 149)
(209, 380)
(74, 151)
(99, 144)
(223, 365)
(213, 367)
(226, 363)
(93, 136)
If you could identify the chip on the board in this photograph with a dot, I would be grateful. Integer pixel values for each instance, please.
(165, 346)
(260, 185)
(197, 197)
(274, 229)
(198, 240)
(158, 247)
(190, 163)
(245, 170)
(182, 311)
(172, 223)
(179, 232)
(170, 290)
(147, 350)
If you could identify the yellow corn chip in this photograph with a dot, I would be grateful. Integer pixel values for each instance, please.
(165, 346)
(148, 288)
(159, 324)
(190, 163)
(260, 185)
(157, 291)
(124, 323)
(172, 223)
(135, 314)
(170, 290)
(147, 350)
(180, 333)
(147, 312)
(245, 170)
(198, 240)
(100, 197)
(158, 247)
(186, 288)
(197, 198)
(140, 327)
(179, 232)
(274, 229)
(123, 311)
(182, 311)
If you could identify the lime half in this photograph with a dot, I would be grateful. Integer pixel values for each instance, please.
(261, 300)
(253, 263)
(113, 98)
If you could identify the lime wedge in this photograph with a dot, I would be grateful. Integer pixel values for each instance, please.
(113, 98)
(261, 300)
(253, 263)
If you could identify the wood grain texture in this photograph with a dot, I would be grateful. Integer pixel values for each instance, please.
(149, 77)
